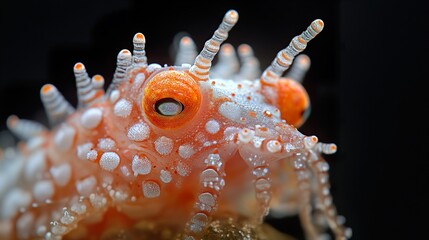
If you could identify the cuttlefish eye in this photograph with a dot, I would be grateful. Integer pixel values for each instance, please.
(171, 99)
(168, 107)
(293, 102)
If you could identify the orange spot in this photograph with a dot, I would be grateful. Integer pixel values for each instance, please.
(314, 139)
(98, 78)
(239, 86)
(243, 119)
(139, 36)
(233, 94)
(227, 49)
(333, 148)
(244, 48)
(263, 129)
(249, 98)
(252, 114)
(46, 88)
(78, 66)
(213, 83)
(125, 51)
(185, 40)
(268, 114)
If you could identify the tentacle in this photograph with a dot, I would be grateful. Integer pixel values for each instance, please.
(249, 64)
(227, 64)
(211, 182)
(299, 68)
(56, 107)
(187, 51)
(262, 184)
(285, 57)
(139, 53)
(303, 174)
(201, 67)
(24, 129)
(123, 62)
(85, 90)
(319, 168)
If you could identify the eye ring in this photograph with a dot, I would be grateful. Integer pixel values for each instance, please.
(168, 107)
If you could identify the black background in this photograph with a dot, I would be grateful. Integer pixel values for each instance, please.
(366, 82)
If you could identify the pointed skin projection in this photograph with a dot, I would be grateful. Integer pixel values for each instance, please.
(170, 152)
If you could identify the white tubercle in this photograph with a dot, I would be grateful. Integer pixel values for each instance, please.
(138, 132)
(122, 108)
(246, 135)
(151, 189)
(274, 146)
(141, 166)
(86, 186)
(106, 144)
(61, 174)
(230, 110)
(165, 176)
(109, 161)
(92, 155)
(43, 190)
(14, 200)
(164, 145)
(64, 137)
(91, 118)
(83, 149)
(212, 126)
(186, 151)
(35, 165)
(114, 96)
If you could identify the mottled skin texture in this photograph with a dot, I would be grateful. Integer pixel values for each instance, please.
(227, 151)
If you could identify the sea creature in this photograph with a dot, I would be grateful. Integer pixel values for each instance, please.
(171, 145)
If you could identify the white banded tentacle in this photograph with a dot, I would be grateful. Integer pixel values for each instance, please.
(56, 107)
(201, 67)
(187, 51)
(123, 62)
(24, 129)
(285, 57)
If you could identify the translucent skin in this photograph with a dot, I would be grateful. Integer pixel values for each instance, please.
(117, 161)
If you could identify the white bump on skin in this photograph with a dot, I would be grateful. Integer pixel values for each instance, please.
(230, 110)
(164, 145)
(246, 135)
(274, 146)
(165, 176)
(212, 126)
(151, 189)
(182, 169)
(114, 96)
(61, 174)
(207, 198)
(106, 144)
(122, 108)
(186, 151)
(138, 132)
(35, 166)
(91, 118)
(83, 149)
(141, 166)
(24, 225)
(109, 161)
(64, 137)
(13, 201)
(43, 190)
(92, 155)
(86, 186)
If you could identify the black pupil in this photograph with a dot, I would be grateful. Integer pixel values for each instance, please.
(168, 107)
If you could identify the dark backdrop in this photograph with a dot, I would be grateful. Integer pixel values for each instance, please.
(365, 82)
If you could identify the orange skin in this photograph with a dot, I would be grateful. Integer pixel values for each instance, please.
(293, 101)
